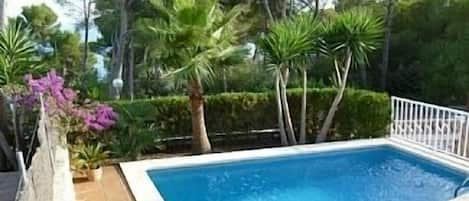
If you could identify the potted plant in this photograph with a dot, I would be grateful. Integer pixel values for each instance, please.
(89, 158)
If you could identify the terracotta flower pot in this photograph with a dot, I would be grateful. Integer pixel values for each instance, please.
(94, 174)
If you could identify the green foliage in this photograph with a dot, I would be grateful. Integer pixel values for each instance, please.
(247, 76)
(363, 114)
(342, 5)
(67, 54)
(88, 156)
(94, 88)
(132, 136)
(41, 19)
(61, 50)
(356, 31)
(194, 35)
(17, 54)
(429, 51)
(448, 74)
(290, 38)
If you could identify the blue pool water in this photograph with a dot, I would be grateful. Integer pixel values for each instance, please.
(372, 174)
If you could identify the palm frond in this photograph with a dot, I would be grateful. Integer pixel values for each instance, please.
(195, 36)
(290, 38)
(356, 30)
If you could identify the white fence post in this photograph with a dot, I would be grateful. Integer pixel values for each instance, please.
(439, 128)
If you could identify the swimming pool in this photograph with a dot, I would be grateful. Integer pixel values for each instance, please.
(362, 173)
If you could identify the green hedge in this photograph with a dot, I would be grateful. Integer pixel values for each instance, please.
(362, 114)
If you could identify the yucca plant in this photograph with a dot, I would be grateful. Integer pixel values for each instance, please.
(348, 39)
(193, 35)
(131, 137)
(287, 42)
(17, 58)
(17, 54)
(88, 157)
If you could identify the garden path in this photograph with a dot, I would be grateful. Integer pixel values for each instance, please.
(111, 187)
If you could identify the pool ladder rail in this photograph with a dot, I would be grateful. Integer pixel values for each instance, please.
(464, 184)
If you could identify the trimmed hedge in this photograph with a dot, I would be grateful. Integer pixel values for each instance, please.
(362, 114)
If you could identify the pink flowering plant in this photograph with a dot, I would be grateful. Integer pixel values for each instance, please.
(61, 103)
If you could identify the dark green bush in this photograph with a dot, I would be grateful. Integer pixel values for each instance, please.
(362, 114)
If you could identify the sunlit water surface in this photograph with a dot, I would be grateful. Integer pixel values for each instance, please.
(374, 174)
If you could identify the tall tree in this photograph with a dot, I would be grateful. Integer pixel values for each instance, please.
(195, 34)
(67, 55)
(387, 42)
(42, 21)
(347, 39)
(121, 38)
(58, 49)
(120, 44)
(84, 9)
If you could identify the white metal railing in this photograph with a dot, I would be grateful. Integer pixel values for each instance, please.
(439, 128)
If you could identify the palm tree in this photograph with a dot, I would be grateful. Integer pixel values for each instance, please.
(194, 36)
(347, 40)
(288, 40)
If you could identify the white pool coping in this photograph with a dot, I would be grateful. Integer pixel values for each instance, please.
(143, 188)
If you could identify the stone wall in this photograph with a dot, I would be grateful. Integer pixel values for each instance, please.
(49, 177)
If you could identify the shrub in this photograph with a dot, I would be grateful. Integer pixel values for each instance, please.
(362, 114)
(131, 137)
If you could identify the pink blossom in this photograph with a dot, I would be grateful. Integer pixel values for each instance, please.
(69, 94)
(62, 101)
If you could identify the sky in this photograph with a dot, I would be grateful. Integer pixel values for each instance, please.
(14, 7)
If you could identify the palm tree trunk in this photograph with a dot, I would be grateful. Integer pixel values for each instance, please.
(303, 108)
(281, 125)
(337, 72)
(335, 104)
(200, 142)
(286, 109)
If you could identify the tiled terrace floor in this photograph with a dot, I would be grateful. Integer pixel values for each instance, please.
(111, 188)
